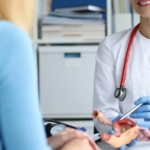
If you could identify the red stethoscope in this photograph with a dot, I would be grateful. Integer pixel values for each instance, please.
(121, 92)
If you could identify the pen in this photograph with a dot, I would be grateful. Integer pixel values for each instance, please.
(131, 111)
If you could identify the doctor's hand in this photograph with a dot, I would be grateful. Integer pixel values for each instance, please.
(142, 112)
(59, 140)
(113, 132)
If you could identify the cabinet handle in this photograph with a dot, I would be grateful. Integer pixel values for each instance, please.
(72, 55)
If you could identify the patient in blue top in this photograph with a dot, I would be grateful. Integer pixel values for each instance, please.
(21, 126)
(20, 118)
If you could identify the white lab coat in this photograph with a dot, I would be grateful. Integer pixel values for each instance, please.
(108, 72)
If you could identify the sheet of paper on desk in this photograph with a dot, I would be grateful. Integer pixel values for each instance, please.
(95, 137)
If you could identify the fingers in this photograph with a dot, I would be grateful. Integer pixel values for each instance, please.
(117, 117)
(111, 132)
(65, 136)
(145, 100)
(70, 134)
(145, 115)
(133, 143)
(144, 124)
(122, 147)
(144, 108)
(92, 143)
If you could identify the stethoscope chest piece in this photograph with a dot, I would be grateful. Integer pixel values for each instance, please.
(120, 93)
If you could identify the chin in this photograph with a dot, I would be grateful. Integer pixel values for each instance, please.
(143, 13)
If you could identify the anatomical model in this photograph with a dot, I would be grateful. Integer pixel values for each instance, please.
(125, 130)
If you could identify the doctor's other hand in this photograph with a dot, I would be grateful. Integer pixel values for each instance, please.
(142, 112)
(113, 132)
(59, 140)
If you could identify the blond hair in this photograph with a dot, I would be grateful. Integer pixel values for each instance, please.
(19, 12)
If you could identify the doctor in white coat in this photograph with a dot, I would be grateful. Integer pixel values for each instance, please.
(109, 66)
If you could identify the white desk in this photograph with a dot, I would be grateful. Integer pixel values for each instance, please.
(139, 146)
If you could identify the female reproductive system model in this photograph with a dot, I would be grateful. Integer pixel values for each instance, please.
(125, 130)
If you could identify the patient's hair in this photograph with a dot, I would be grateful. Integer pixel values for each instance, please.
(19, 12)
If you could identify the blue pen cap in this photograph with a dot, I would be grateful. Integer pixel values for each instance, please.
(82, 129)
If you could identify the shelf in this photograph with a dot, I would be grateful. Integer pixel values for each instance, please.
(39, 12)
(66, 41)
(69, 116)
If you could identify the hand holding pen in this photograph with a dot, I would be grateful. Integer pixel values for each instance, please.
(142, 112)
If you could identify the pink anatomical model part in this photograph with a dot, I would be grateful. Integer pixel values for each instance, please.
(143, 135)
(126, 130)
(101, 118)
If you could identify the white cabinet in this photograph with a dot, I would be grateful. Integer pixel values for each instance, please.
(66, 78)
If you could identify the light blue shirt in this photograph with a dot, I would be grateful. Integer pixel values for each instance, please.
(21, 126)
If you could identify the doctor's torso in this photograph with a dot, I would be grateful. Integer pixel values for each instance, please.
(109, 65)
(137, 81)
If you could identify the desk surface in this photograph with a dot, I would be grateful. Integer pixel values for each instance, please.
(139, 146)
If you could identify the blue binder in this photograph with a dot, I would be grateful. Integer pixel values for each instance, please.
(71, 3)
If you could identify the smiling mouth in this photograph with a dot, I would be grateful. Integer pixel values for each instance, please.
(144, 3)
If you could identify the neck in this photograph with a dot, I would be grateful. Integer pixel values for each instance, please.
(145, 27)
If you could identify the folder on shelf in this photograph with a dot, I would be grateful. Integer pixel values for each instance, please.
(86, 8)
(74, 31)
(71, 3)
(78, 15)
(51, 20)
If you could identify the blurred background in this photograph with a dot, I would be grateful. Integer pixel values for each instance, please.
(66, 35)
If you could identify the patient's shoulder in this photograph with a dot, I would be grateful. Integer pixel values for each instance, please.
(13, 39)
(9, 32)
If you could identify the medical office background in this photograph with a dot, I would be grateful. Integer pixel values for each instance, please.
(66, 42)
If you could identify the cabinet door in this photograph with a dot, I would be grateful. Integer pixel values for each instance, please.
(66, 75)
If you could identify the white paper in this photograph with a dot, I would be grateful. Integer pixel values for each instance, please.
(95, 137)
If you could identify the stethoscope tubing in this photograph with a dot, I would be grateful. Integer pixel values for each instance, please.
(121, 92)
(127, 55)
